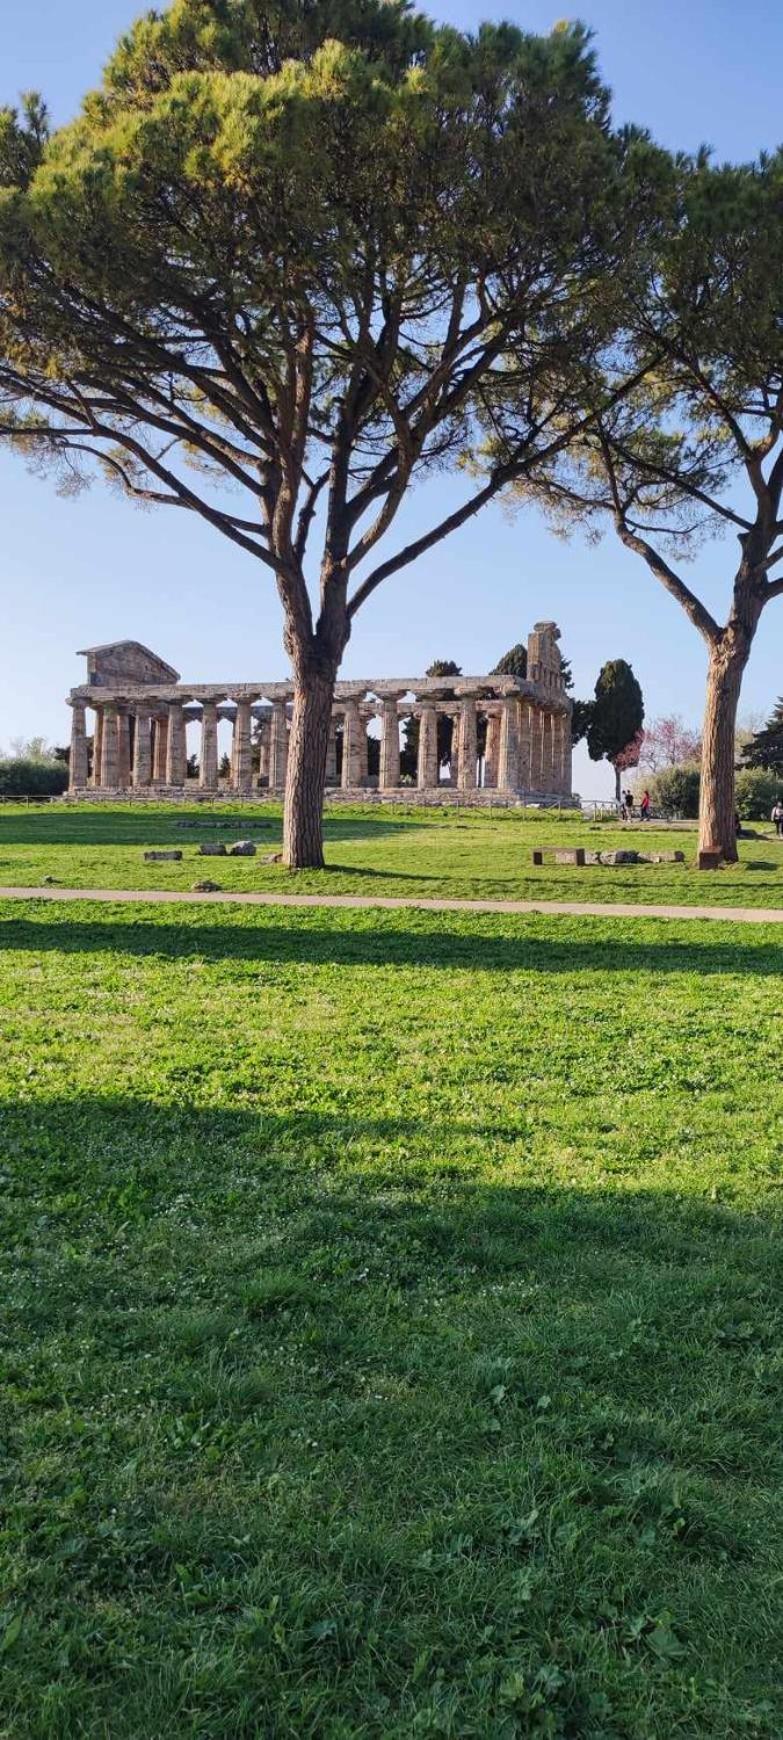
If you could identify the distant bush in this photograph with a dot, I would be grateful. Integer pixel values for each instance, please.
(675, 791)
(23, 778)
(757, 791)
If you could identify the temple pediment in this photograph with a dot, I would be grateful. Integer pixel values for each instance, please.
(126, 661)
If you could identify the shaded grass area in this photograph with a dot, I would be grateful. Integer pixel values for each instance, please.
(389, 850)
(393, 1326)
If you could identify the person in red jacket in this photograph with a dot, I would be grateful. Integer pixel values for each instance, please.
(644, 807)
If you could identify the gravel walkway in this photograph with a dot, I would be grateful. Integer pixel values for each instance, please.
(568, 908)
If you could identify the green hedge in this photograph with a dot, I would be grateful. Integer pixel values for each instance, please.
(757, 791)
(20, 778)
(675, 792)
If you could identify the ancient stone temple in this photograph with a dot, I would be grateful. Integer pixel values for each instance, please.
(140, 712)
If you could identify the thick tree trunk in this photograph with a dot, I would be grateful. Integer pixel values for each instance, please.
(306, 779)
(617, 787)
(717, 805)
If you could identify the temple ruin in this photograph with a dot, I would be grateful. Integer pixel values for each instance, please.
(140, 713)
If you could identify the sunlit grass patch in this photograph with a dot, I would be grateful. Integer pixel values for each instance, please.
(384, 850)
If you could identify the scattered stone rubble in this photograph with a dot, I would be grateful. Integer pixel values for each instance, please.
(626, 857)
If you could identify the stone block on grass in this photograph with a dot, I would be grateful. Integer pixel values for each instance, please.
(561, 855)
(212, 849)
(242, 849)
(162, 857)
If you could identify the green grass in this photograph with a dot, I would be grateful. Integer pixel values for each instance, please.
(392, 850)
(392, 1309)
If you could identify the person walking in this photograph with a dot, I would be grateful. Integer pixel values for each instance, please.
(645, 805)
(777, 816)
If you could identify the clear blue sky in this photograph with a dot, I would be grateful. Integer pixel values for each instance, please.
(78, 572)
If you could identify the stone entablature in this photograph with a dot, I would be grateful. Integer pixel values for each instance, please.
(142, 709)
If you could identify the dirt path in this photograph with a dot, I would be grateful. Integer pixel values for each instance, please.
(389, 903)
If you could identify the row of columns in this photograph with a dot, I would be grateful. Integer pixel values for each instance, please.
(137, 747)
(528, 748)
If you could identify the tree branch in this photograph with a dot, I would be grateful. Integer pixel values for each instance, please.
(420, 545)
(693, 607)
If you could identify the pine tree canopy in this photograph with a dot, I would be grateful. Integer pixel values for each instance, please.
(513, 663)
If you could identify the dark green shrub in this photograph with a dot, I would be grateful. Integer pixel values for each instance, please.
(19, 778)
(675, 791)
(757, 791)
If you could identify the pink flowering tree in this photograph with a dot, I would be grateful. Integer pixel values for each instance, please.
(627, 758)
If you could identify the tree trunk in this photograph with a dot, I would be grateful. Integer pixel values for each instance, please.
(617, 787)
(306, 778)
(717, 803)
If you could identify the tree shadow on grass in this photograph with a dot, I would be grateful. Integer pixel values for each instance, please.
(376, 938)
(323, 1357)
(328, 1192)
(138, 826)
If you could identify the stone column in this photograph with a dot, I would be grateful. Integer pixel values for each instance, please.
(364, 749)
(537, 750)
(208, 753)
(331, 755)
(77, 767)
(525, 753)
(557, 753)
(97, 747)
(123, 750)
(548, 756)
(142, 749)
(161, 748)
(466, 766)
(427, 770)
(243, 749)
(278, 747)
(566, 769)
(109, 749)
(492, 750)
(454, 756)
(176, 753)
(354, 729)
(390, 745)
(508, 766)
(263, 751)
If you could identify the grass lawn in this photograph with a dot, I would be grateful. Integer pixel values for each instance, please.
(392, 1309)
(392, 850)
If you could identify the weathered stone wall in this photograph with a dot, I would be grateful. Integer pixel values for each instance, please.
(433, 797)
